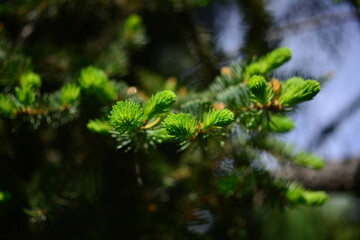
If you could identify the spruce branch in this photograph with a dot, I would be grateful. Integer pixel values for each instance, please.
(181, 126)
(134, 35)
(30, 80)
(297, 195)
(7, 105)
(277, 58)
(217, 118)
(234, 97)
(69, 94)
(159, 103)
(99, 126)
(26, 96)
(195, 107)
(92, 79)
(297, 90)
(109, 91)
(269, 62)
(281, 124)
(126, 116)
(29, 83)
(309, 160)
(259, 90)
(151, 124)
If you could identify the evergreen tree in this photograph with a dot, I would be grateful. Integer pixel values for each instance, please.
(97, 144)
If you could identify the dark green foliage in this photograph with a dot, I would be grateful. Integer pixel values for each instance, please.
(228, 185)
(12, 62)
(130, 37)
(196, 107)
(235, 96)
(4, 196)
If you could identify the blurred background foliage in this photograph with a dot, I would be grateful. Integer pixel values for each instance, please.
(55, 184)
(337, 219)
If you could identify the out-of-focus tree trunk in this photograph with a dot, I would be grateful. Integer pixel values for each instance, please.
(259, 22)
(339, 176)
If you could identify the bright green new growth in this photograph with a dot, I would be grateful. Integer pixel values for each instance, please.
(109, 90)
(159, 103)
(257, 86)
(95, 81)
(217, 118)
(297, 195)
(259, 89)
(132, 24)
(126, 116)
(30, 80)
(7, 105)
(4, 196)
(99, 126)
(278, 57)
(297, 90)
(280, 124)
(69, 94)
(29, 83)
(316, 198)
(181, 126)
(134, 32)
(309, 160)
(92, 79)
(270, 62)
(26, 96)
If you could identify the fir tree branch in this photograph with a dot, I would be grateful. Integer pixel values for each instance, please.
(151, 124)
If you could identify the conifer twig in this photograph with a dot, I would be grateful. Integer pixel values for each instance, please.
(152, 124)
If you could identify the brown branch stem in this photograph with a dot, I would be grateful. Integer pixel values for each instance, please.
(335, 176)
